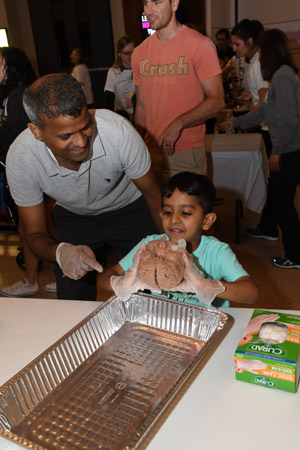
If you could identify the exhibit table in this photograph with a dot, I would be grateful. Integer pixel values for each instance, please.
(239, 165)
(212, 411)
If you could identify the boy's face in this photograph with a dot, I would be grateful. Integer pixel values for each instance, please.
(183, 218)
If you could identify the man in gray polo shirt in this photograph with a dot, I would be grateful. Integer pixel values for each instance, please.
(96, 167)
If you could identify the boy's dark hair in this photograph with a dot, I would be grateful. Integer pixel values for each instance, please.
(192, 184)
(53, 95)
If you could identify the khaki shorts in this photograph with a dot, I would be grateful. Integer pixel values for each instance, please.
(192, 160)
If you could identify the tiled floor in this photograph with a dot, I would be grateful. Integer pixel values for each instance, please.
(280, 288)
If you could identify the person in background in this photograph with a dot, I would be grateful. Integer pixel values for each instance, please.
(245, 39)
(16, 73)
(119, 89)
(281, 111)
(82, 74)
(211, 268)
(224, 49)
(96, 167)
(179, 86)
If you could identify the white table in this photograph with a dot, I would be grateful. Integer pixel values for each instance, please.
(214, 411)
(239, 165)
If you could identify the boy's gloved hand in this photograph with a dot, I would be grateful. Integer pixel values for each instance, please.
(194, 280)
(76, 260)
(130, 282)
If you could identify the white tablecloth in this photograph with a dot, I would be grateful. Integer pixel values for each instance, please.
(238, 165)
(213, 411)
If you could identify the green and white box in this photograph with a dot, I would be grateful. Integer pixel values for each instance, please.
(268, 353)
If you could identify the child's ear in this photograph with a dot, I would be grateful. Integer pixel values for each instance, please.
(209, 220)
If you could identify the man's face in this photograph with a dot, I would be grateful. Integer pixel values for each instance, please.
(159, 12)
(221, 41)
(67, 137)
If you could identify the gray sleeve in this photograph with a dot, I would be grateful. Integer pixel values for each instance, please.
(20, 172)
(286, 111)
(251, 119)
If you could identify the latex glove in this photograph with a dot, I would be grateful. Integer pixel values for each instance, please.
(250, 365)
(194, 280)
(76, 260)
(255, 324)
(130, 282)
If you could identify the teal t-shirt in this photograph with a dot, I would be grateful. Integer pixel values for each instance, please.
(214, 258)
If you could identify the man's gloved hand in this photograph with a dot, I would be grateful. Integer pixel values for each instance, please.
(76, 260)
(194, 280)
(130, 282)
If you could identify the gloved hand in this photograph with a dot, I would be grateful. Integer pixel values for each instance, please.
(130, 282)
(76, 260)
(250, 365)
(194, 280)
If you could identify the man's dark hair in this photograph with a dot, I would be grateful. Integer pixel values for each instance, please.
(274, 52)
(192, 184)
(246, 29)
(53, 95)
(225, 31)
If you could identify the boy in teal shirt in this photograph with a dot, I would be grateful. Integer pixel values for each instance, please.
(211, 268)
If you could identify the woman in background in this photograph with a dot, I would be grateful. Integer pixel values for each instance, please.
(281, 111)
(119, 89)
(16, 73)
(82, 74)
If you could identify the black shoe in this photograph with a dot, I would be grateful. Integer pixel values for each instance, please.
(285, 263)
(257, 234)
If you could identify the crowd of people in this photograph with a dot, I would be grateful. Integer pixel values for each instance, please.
(135, 171)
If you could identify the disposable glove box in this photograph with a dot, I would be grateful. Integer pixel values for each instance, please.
(268, 353)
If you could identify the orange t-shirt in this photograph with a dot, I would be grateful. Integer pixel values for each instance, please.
(170, 74)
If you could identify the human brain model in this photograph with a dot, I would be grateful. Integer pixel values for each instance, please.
(160, 267)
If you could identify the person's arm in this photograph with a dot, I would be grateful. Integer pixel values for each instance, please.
(36, 234)
(243, 290)
(148, 186)
(139, 114)
(262, 93)
(74, 260)
(213, 103)
(104, 279)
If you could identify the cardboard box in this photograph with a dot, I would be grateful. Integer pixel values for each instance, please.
(268, 353)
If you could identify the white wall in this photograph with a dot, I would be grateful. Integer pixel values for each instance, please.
(269, 11)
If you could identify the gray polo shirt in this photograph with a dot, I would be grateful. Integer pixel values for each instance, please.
(103, 182)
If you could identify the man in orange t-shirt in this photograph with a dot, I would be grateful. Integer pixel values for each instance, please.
(179, 86)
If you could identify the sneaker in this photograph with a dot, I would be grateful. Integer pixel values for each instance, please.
(285, 263)
(255, 233)
(50, 287)
(20, 289)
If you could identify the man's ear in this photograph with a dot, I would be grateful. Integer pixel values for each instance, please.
(209, 220)
(35, 130)
(175, 4)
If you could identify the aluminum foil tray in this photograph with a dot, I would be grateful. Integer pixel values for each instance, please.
(105, 383)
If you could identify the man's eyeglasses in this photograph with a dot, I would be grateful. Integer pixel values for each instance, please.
(127, 53)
